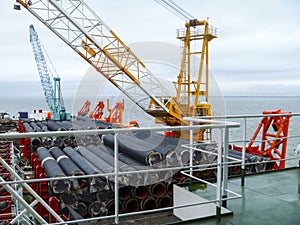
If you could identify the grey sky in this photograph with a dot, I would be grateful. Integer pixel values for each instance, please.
(257, 51)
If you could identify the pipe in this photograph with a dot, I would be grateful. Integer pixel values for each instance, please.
(87, 196)
(131, 205)
(164, 175)
(66, 124)
(163, 143)
(53, 125)
(47, 142)
(27, 127)
(96, 162)
(42, 126)
(207, 173)
(102, 152)
(178, 176)
(96, 183)
(68, 198)
(148, 203)
(124, 192)
(184, 156)
(35, 127)
(58, 141)
(165, 201)
(69, 167)
(97, 209)
(171, 157)
(104, 125)
(238, 155)
(140, 192)
(52, 169)
(68, 141)
(36, 142)
(111, 207)
(170, 188)
(157, 190)
(81, 208)
(135, 148)
(105, 195)
(83, 140)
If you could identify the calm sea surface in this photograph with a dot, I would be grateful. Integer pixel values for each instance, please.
(230, 106)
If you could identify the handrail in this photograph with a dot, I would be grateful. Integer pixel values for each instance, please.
(209, 124)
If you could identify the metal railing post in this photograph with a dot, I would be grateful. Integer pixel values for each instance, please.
(191, 150)
(116, 151)
(225, 167)
(244, 152)
(219, 177)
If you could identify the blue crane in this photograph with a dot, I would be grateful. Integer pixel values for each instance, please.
(52, 92)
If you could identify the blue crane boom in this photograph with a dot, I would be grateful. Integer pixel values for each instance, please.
(52, 93)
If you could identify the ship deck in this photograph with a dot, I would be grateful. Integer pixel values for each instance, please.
(267, 198)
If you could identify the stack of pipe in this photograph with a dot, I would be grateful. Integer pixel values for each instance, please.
(86, 155)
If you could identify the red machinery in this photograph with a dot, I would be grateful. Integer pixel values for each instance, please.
(85, 108)
(274, 142)
(115, 114)
(97, 113)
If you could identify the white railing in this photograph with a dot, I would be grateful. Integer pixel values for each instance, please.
(221, 184)
(241, 136)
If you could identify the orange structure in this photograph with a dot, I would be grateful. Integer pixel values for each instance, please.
(85, 108)
(97, 113)
(116, 114)
(274, 141)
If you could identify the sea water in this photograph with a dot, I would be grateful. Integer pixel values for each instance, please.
(232, 106)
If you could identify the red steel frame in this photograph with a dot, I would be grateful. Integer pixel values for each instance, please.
(274, 142)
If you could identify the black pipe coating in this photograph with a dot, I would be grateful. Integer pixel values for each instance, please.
(65, 162)
(52, 169)
(135, 148)
(102, 152)
(96, 182)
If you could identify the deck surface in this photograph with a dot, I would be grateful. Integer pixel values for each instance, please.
(148, 219)
(268, 199)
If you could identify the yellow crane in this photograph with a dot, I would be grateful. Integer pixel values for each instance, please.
(79, 27)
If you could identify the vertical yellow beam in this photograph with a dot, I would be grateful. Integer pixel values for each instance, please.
(189, 94)
(206, 63)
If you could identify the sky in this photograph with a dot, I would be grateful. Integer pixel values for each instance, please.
(257, 51)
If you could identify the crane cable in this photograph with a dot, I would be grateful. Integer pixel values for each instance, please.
(175, 9)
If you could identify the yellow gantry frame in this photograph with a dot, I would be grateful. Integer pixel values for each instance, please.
(186, 87)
